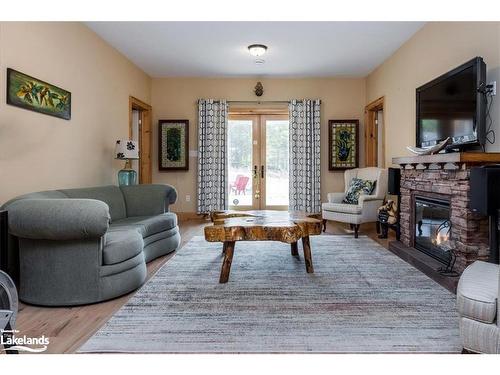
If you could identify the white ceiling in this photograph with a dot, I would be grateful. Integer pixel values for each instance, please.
(219, 49)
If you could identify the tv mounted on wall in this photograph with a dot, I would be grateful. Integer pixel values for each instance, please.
(453, 105)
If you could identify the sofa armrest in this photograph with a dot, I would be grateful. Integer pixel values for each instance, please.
(148, 199)
(335, 197)
(58, 219)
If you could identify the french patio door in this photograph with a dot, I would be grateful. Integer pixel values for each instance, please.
(258, 149)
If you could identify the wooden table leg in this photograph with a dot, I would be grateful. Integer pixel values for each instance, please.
(223, 248)
(307, 254)
(295, 249)
(226, 265)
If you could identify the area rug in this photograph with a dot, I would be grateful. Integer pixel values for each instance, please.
(361, 298)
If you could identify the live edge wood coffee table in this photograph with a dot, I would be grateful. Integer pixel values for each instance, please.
(289, 227)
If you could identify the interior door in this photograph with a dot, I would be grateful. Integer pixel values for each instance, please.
(258, 162)
(140, 130)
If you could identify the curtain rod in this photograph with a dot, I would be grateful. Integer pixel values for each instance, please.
(259, 101)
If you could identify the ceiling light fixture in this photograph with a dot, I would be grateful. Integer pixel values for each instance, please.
(257, 49)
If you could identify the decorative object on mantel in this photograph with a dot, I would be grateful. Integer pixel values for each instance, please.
(35, 95)
(173, 143)
(127, 150)
(431, 150)
(259, 89)
(342, 144)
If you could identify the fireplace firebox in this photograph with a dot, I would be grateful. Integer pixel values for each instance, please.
(433, 228)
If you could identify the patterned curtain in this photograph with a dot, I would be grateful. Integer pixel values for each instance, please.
(212, 142)
(305, 126)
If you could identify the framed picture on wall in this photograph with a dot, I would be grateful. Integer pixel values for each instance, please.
(36, 95)
(343, 144)
(173, 144)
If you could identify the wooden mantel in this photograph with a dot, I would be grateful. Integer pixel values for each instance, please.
(459, 158)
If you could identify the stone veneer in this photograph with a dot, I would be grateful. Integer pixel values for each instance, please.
(469, 231)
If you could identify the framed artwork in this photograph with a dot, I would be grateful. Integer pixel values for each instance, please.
(31, 93)
(173, 153)
(343, 144)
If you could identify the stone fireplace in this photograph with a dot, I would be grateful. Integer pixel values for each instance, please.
(469, 231)
(435, 215)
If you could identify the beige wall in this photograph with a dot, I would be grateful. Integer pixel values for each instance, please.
(42, 152)
(175, 98)
(432, 51)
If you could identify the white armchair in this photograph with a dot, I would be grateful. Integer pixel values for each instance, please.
(366, 209)
(478, 308)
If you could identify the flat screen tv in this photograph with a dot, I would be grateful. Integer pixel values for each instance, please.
(452, 105)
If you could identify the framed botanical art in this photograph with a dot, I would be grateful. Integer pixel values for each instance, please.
(31, 93)
(173, 153)
(343, 144)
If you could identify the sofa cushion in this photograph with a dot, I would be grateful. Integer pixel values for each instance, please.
(160, 236)
(342, 207)
(111, 195)
(477, 292)
(147, 225)
(121, 245)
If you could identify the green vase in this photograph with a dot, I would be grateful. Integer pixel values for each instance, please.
(127, 176)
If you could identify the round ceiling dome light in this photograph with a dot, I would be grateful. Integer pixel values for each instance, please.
(257, 49)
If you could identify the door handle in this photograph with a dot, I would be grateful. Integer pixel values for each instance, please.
(262, 171)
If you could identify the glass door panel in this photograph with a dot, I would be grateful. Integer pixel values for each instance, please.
(257, 156)
(240, 162)
(276, 161)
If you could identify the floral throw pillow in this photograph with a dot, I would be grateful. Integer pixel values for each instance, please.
(356, 188)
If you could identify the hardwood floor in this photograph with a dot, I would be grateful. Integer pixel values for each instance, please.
(69, 327)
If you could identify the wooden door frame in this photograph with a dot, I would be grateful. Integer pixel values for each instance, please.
(371, 133)
(145, 130)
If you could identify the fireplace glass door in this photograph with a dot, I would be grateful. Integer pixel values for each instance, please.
(433, 227)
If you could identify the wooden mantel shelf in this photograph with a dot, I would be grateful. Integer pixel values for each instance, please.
(464, 158)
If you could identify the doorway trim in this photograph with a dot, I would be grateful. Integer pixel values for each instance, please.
(145, 137)
(371, 133)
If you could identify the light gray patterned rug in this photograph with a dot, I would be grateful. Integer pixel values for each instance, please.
(361, 298)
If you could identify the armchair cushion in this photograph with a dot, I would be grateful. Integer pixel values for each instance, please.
(356, 188)
(477, 292)
(343, 208)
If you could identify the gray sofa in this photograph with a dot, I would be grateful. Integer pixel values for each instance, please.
(80, 246)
